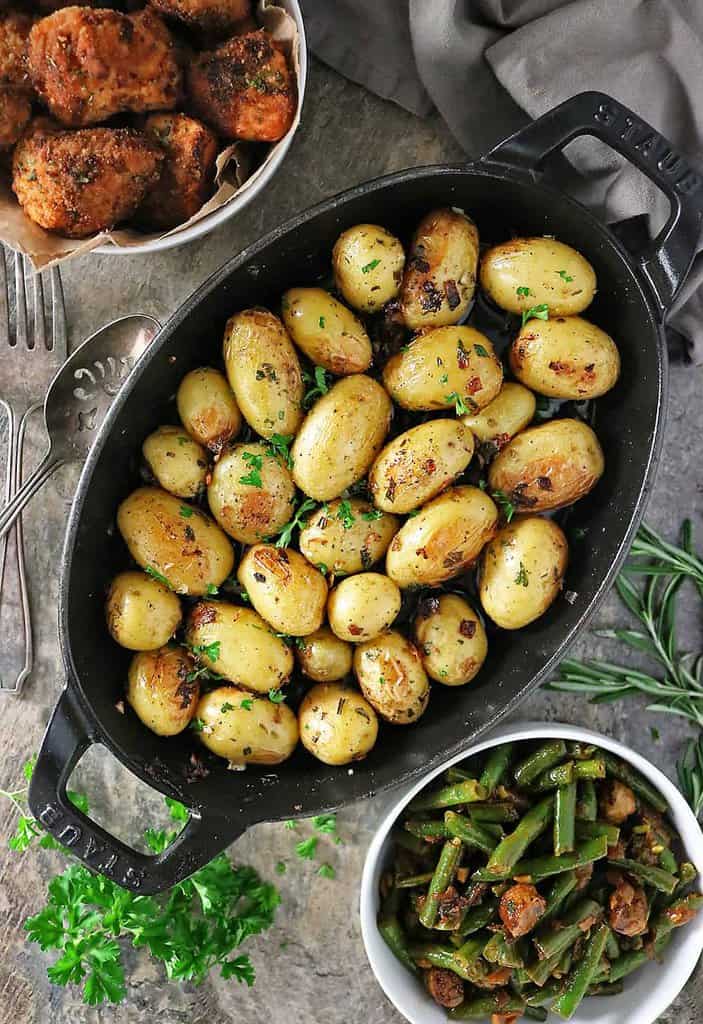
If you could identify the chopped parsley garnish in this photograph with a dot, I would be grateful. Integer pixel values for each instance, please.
(345, 514)
(503, 502)
(326, 871)
(372, 515)
(480, 351)
(290, 825)
(276, 696)
(370, 266)
(156, 575)
(197, 724)
(278, 447)
(321, 322)
(444, 378)
(325, 823)
(413, 512)
(522, 578)
(460, 405)
(286, 534)
(186, 511)
(254, 462)
(540, 312)
(523, 291)
(247, 704)
(182, 439)
(323, 568)
(654, 733)
(281, 867)
(211, 651)
(306, 848)
(564, 276)
(319, 386)
(211, 590)
(226, 707)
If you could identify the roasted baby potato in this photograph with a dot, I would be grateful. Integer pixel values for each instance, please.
(284, 588)
(15, 114)
(177, 462)
(187, 172)
(208, 409)
(251, 493)
(509, 413)
(443, 369)
(440, 276)
(362, 606)
(368, 266)
(565, 357)
(190, 553)
(336, 724)
(237, 644)
(450, 638)
(162, 689)
(264, 372)
(420, 463)
(528, 272)
(340, 437)
(245, 729)
(347, 536)
(548, 466)
(443, 539)
(216, 17)
(142, 614)
(322, 656)
(328, 333)
(244, 88)
(522, 571)
(88, 64)
(392, 678)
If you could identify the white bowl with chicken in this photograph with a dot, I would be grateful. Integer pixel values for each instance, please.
(646, 992)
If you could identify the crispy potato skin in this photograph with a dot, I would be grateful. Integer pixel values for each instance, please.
(15, 114)
(250, 513)
(509, 413)
(322, 656)
(78, 183)
(88, 64)
(161, 690)
(257, 732)
(15, 27)
(451, 639)
(565, 357)
(288, 592)
(208, 408)
(362, 606)
(337, 725)
(440, 275)
(142, 614)
(243, 88)
(527, 272)
(187, 172)
(391, 677)
(328, 333)
(216, 17)
(325, 540)
(368, 264)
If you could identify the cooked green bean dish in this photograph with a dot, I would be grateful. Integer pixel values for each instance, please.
(532, 878)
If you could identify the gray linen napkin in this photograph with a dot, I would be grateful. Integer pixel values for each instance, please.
(488, 65)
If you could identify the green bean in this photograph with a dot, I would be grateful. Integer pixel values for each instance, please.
(539, 761)
(605, 988)
(612, 948)
(457, 774)
(478, 917)
(427, 829)
(541, 970)
(634, 780)
(580, 978)
(687, 874)
(499, 951)
(580, 751)
(466, 792)
(492, 812)
(468, 831)
(496, 766)
(661, 880)
(535, 1012)
(413, 881)
(559, 775)
(551, 942)
(441, 880)
(630, 961)
(593, 829)
(565, 819)
(558, 891)
(501, 1001)
(587, 804)
(394, 937)
(676, 914)
(537, 868)
(667, 861)
(550, 991)
(492, 829)
(411, 843)
(510, 849)
(459, 961)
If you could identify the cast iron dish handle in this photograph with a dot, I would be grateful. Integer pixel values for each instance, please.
(67, 737)
(667, 260)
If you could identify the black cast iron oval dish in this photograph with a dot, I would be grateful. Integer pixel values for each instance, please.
(504, 194)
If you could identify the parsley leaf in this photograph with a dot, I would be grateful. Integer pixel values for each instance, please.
(319, 387)
(224, 708)
(197, 724)
(156, 575)
(247, 704)
(540, 312)
(278, 447)
(372, 515)
(523, 291)
(460, 405)
(211, 590)
(211, 651)
(306, 848)
(276, 696)
(345, 514)
(290, 825)
(296, 523)
(281, 867)
(185, 511)
(326, 871)
(325, 823)
(177, 810)
(481, 351)
(321, 322)
(370, 266)
(564, 276)
(255, 463)
(522, 579)
(504, 504)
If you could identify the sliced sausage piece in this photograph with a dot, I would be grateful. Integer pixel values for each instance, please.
(617, 802)
(521, 907)
(628, 909)
(445, 987)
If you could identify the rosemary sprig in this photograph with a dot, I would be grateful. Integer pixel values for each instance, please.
(690, 773)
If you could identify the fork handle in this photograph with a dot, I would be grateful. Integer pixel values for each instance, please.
(14, 593)
(29, 488)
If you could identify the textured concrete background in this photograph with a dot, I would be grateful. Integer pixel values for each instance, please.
(311, 967)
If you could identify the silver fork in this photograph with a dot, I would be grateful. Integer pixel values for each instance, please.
(32, 348)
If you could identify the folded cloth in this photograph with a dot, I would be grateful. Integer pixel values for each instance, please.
(489, 65)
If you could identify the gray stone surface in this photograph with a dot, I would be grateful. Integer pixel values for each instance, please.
(311, 967)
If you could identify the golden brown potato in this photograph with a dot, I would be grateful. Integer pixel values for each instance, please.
(244, 88)
(451, 639)
(362, 606)
(322, 656)
(15, 27)
(420, 463)
(208, 408)
(522, 571)
(191, 553)
(440, 276)
(216, 17)
(509, 413)
(328, 333)
(246, 729)
(565, 357)
(15, 114)
(88, 64)
(79, 183)
(392, 678)
(162, 689)
(528, 272)
(446, 368)
(237, 644)
(251, 493)
(177, 462)
(284, 588)
(368, 266)
(340, 437)
(548, 466)
(443, 539)
(187, 172)
(346, 536)
(336, 724)
(264, 372)
(142, 614)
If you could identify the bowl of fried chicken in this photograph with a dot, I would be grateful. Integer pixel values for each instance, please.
(135, 128)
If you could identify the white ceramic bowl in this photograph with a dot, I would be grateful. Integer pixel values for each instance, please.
(238, 202)
(647, 992)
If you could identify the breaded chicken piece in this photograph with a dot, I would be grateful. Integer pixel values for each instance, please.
(79, 183)
(88, 65)
(244, 88)
(15, 114)
(187, 173)
(217, 17)
(14, 34)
